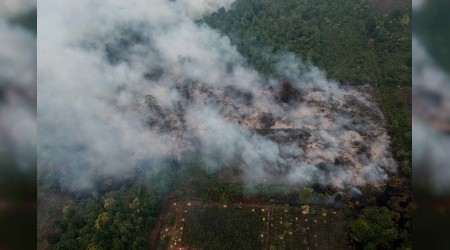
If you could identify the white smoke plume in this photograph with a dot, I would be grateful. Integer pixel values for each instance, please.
(122, 83)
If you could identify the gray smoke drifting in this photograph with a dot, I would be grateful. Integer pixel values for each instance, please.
(121, 84)
(431, 109)
(13, 8)
(17, 124)
(17, 87)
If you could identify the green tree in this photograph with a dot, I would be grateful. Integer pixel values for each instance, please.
(306, 194)
(375, 229)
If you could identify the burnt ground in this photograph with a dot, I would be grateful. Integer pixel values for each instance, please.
(337, 129)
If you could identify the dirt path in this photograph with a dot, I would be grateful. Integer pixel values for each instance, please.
(154, 234)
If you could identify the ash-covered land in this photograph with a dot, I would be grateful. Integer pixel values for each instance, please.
(287, 132)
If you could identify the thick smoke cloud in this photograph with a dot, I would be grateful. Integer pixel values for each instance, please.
(121, 84)
(17, 87)
(196, 9)
(13, 8)
(17, 125)
(431, 106)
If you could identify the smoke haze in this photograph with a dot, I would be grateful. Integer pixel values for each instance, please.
(17, 87)
(431, 95)
(122, 83)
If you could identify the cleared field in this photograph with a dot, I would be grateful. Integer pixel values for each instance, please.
(252, 226)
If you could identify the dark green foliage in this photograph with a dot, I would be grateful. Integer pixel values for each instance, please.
(170, 218)
(375, 229)
(334, 35)
(219, 228)
(306, 194)
(392, 41)
(139, 243)
(121, 220)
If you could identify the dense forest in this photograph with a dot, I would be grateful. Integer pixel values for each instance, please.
(340, 37)
(119, 220)
(115, 214)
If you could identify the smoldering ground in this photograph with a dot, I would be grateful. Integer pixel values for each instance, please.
(121, 83)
